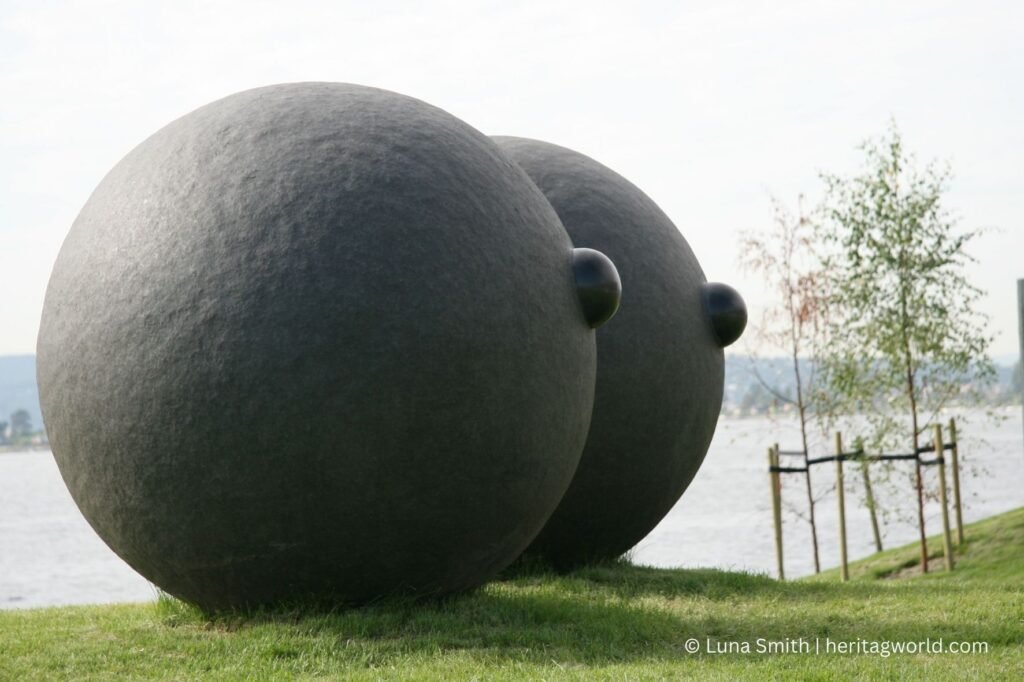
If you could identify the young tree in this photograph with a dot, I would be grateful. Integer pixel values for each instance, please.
(785, 258)
(906, 337)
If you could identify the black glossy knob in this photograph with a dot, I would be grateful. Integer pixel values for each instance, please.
(597, 284)
(726, 310)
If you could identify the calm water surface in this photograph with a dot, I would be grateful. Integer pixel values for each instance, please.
(49, 555)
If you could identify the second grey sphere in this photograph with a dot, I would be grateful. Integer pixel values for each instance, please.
(660, 364)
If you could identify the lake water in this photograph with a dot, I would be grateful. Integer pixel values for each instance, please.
(49, 555)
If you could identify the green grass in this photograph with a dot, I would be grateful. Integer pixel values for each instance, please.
(993, 552)
(611, 622)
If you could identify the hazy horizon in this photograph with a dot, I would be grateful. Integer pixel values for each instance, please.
(709, 107)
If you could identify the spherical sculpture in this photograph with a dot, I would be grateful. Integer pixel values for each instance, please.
(316, 341)
(660, 363)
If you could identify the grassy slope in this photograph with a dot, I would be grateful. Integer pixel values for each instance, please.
(614, 622)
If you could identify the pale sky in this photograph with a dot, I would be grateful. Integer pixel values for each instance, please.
(707, 106)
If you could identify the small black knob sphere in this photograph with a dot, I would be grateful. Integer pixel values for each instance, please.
(726, 310)
(597, 285)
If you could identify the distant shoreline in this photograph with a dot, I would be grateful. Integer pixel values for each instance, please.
(14, 449)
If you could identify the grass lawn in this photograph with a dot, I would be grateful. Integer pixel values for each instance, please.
(612, 622)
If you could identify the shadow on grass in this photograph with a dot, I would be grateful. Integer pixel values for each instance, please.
(598, 615)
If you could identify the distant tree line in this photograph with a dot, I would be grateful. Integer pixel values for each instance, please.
(764, 386)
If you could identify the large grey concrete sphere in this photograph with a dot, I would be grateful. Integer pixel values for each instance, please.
(316, 341)
(660, 363)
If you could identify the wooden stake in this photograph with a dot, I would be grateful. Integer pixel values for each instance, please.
(844, 570)
(919, 489)
(947, 538)
(773, 461)
(955, 463)
(869, 497)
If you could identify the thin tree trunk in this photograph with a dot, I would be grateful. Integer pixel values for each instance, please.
(807, 475)
(908, 358)
(869, 496)
(912, 394)
(794, 329)
(918, 482)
